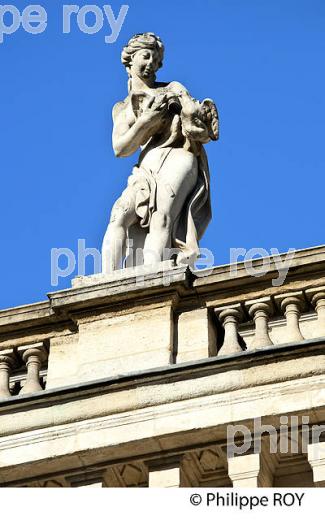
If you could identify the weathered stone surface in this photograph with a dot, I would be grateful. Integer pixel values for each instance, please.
(196, 336)
(137, 374)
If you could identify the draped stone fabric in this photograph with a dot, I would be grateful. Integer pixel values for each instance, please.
(141, 189)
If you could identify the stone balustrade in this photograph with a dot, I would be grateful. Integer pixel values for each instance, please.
(246, 325)
(106, 327)
(267, 321)
(20, 369)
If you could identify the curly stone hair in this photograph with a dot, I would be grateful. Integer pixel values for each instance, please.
(140, 41)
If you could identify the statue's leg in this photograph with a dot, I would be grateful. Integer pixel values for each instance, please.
(176, 180)
(114, 244)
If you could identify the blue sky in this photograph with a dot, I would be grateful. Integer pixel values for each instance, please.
(261, 61)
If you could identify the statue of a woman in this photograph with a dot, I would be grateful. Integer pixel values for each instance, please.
(165, 208)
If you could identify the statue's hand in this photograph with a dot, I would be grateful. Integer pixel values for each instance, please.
(155, 110)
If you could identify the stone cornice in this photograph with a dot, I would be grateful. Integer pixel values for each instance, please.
(217, 284)
(306, 261)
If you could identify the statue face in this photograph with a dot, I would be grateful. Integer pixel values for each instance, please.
(144, 63)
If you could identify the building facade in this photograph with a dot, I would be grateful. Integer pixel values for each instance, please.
(175, 378)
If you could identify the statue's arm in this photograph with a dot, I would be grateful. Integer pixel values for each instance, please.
(130, 133)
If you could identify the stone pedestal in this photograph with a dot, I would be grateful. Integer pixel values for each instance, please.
(128, 330)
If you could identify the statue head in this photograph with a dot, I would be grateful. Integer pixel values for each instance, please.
(143, 55)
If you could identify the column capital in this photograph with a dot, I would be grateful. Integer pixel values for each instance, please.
(296, 298)
(244, 466)
(9, 357)
(231, 310)
(34, 349)
(315, 294)
(316, 458)
(250, 470)
(260, 304)
(166, 472)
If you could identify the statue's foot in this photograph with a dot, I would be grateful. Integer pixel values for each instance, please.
(186, 259)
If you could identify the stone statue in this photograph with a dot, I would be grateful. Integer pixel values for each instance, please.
(165, 208)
